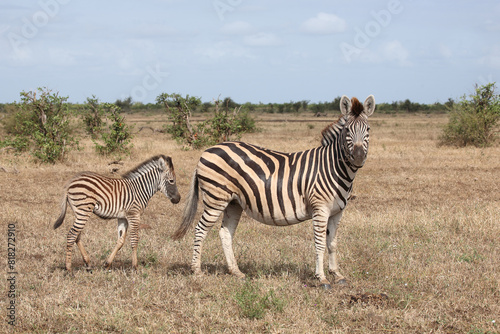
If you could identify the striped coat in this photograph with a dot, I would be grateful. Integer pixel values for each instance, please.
(281, 189)
(123, 198)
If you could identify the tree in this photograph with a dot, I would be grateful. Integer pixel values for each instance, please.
(228, 103)
(296, 106)
(221, 127)
(473, 121)
(124, 104)
(305, 103)
(118, 135)
(92, 115)
(179, 111)
(41, 126)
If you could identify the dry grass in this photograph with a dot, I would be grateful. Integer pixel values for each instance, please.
(419, 246)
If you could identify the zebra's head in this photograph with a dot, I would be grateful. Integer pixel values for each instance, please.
(168, 186)
(355, 133)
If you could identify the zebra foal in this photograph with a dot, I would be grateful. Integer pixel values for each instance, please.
(122, 198)
(281, 189)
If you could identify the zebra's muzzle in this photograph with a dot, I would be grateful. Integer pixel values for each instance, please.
(175, 199)
(358, 155)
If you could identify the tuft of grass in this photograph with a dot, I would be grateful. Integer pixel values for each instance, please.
(253, 303)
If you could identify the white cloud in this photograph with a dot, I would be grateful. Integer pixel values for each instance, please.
(62, 57)
(237, 28)
(262, 39)
(393, 52)
(492, 58)
(324, 24)
(445, 51)
(224, 49)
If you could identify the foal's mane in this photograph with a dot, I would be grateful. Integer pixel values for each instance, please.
(146, 166)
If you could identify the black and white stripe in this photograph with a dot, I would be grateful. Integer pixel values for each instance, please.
(281, 189)
(122, 198)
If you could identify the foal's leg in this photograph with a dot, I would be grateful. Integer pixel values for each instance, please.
(82, 214)
(85, 255)
(230, 221)
(133, 220)
(122, 233)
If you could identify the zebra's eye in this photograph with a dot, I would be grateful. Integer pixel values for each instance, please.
(171, 181)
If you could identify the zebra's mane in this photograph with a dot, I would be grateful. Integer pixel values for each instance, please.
(330, 133)
(148, 165)
(357, 108)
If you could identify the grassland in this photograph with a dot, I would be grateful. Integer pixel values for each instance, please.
(420, 246)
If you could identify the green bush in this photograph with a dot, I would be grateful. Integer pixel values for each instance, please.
(118, 135)
(179, 110)
(474, 120)
(41, 126)
(253, 304)
(93, 113)
(244, 122)
(221, 127)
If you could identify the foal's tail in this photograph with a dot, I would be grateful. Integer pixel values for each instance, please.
(189, 209)
(64, 204)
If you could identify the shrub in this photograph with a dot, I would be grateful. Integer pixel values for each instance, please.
(118, 136)
(221, 127)
(253, 304)
(41, 126)
(244, 122)
(93, 112)
(473, 121)
(179, 111)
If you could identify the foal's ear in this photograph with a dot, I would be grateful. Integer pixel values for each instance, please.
(345, 105)
(369, 105)
(168, 162)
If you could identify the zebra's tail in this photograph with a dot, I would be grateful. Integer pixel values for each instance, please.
(189, 209)
(64, 204)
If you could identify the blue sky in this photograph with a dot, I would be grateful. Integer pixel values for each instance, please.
(250, 50)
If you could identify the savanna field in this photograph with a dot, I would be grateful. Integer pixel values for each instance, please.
(419, 244)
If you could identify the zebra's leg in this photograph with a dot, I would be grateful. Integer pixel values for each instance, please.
(320, 219)
(122, 234)
(133, 221)
(331, 241)
(207, 220)
(85, 255)
(82, 215)
(232, 215)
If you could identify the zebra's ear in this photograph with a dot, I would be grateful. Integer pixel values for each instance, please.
(345, 105)
(369, 105)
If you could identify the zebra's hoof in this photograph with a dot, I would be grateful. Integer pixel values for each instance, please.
(342, 282)
(69, 273)
(326, 286)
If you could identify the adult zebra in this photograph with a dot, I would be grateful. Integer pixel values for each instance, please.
(123, 198)
(281, 188)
